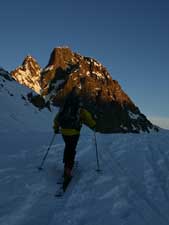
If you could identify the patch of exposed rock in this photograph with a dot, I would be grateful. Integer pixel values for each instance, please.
(103, 96)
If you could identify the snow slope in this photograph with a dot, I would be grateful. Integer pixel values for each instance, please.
(132, 189)
(17, 113)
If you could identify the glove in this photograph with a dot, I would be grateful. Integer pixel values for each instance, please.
(94, 128)
(56, 129)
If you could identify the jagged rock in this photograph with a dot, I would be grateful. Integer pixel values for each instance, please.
(28, 74)
(38, 101)
(5, 78)
(103, 96)
(5, 74)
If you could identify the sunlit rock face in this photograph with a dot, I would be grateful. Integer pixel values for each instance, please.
(28, 74)
(113, 109)
(68, 71)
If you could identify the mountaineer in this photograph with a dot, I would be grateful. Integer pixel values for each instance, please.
(69, 122)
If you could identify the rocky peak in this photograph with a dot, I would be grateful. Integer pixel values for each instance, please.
(60, 56)
(28, 74)
(68, 71)
(114, 110)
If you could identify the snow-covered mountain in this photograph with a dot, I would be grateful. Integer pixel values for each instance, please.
(17, 113)
(66, 70)
(132, 188)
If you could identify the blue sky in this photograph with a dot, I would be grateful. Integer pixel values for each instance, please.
(130, 38)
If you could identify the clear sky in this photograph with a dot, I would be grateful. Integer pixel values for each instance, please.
(129, 37)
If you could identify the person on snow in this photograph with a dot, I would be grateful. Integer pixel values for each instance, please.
(69, 121)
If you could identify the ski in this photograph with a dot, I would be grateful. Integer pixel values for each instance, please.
(59, 193)
(63, 183)
(59, 190)
(63, 187)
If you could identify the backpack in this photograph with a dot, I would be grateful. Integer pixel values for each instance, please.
(69, 115)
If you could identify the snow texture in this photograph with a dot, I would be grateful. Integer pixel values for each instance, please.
(133, 116)
(132, 187)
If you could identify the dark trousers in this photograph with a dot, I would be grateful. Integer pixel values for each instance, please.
(70, 150)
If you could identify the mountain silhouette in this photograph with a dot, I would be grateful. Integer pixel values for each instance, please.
(66, 70)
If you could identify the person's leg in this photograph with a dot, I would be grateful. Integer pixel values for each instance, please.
(70, 150)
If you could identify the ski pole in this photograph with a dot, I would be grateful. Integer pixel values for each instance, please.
(97, 155)
(46, 154)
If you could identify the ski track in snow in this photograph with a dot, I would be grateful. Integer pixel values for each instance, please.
(132, 188)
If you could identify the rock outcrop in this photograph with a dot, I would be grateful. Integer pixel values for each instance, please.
(5, 74)
(28, 74)
(103, 96)
(114, 111)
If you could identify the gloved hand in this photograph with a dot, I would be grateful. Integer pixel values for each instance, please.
(94, 128)
(56, 129)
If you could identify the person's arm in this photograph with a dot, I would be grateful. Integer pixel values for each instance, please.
(87, 118)
(56, 124)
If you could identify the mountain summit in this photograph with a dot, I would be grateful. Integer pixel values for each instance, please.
(66, 71)
(28, 74)
(114, 110)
